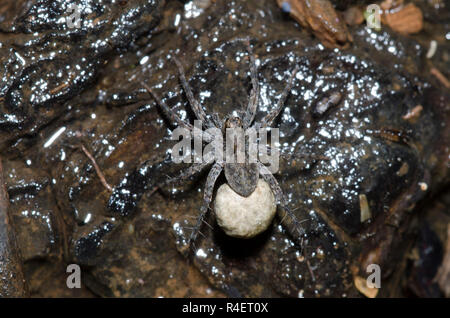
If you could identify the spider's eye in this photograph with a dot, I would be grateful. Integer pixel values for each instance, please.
(233, 122)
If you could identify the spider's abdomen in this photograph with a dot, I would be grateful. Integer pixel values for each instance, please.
(242, 177)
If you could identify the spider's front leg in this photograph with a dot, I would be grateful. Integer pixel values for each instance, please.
(270, 117)
(167, 110)
(207, 197)
(175, 118)
(254, 95)
(302, 160)
(196, 107)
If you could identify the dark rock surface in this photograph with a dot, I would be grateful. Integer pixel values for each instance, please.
(84, 86)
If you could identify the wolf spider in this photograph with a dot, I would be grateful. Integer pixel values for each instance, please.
(241, 177)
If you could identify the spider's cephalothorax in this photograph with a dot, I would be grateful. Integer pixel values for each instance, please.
(241, 177)
(233, 122)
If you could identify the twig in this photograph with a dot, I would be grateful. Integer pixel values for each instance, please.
(153, 190)
(313, 277)
(440, 77)
(58, 88)
(97, 169)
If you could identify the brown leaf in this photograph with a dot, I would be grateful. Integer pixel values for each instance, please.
(408, 19)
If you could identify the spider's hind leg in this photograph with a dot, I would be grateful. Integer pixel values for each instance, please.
(293, 224)
(207, 198)
(193, 170)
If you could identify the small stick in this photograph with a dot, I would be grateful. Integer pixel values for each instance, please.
(440, 77)
(209, 225)
(58, 88)
(97, 169)
(153, 190)
(313, 277)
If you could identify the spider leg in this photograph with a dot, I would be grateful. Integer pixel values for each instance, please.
(273, 183)
(198, 110)
(270, 117)
(216, 120)
(207, 197)
(167, 110)
(174, 117)
(254, 95)
(281, 199)
(186, 174)
(305, 158)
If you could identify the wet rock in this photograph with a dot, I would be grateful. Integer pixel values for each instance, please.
(427, 255)
(32, 208)
(12, 280)
(86, 247)
(42, 70)
(133, 241)
(426, 263)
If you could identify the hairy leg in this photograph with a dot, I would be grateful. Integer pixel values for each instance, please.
(174, 117)
(167, 110)
(307, 159)
(193, 170)
(270, 117)
(207, 197)
(282, 201)
(293, 227)
(254, 95)
(198, 110)
(216, 120)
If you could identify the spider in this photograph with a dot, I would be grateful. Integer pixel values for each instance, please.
(241, 177)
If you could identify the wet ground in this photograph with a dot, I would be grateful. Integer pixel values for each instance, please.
(386, 139)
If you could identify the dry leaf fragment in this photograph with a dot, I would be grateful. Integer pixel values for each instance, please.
(361, 285)
(353, 16)
(320, 17)
(407, 19)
